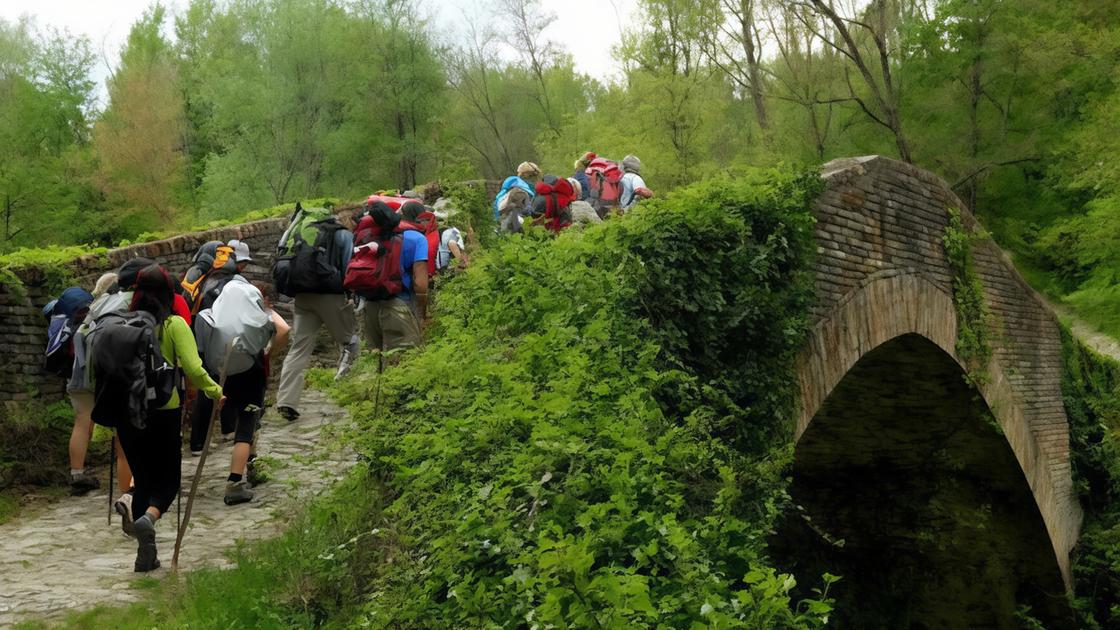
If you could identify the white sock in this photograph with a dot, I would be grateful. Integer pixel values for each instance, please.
(74, 472)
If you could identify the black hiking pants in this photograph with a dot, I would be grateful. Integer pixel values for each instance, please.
(154, 454)
(244, 401)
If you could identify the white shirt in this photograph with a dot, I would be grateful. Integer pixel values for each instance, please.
(630, 183)
(449, 236)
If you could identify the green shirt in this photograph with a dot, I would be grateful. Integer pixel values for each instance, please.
(176, 342)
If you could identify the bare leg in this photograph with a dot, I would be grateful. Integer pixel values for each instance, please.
(79, 438)
(239, 458)
(124, 473)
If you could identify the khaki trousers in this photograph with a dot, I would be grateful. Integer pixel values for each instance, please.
(312, 311)
(390, 324)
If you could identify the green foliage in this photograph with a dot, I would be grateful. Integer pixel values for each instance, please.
(595, 433)
(473, 209)
(973, 316)
(1091, 390)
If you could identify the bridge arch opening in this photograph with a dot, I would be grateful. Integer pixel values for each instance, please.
(908, 489)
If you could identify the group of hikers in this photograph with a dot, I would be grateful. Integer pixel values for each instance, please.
(597, 189)
(147, 355)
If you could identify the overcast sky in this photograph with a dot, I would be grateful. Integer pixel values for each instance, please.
(585, 28)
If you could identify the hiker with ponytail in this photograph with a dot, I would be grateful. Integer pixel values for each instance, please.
(154, 450)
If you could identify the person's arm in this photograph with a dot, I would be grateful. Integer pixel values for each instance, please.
(420, 287)
(458, 254)
(283, 331)
(186, 355)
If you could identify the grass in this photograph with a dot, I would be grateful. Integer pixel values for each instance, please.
(9, 508)
(1099, 307)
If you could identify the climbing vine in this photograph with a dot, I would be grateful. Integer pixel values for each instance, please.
(973, 316)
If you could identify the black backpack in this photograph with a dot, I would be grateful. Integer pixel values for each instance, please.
(305, 258)
(130, 374)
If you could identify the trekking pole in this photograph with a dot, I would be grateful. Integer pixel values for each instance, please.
(202, 459)
(112, 469)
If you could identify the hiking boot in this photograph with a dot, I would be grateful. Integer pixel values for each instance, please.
(287, 413)
(346, 361)
(238, 492)
(123, 506)
(145, 532)
(253, 474)
(83, 482)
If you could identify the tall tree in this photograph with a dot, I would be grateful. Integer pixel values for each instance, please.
(139, 138)
(864, 37)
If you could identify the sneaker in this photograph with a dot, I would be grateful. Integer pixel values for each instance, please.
(123, 506)
(346, 360)
(83, 482)
(145, 531)
(287, 413)
(238, 492)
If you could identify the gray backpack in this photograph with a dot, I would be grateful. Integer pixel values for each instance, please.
(238, 315)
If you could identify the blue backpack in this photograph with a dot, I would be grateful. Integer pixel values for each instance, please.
(65, 315)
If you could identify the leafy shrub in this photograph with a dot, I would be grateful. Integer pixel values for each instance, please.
(596, 433)
(1091, 389)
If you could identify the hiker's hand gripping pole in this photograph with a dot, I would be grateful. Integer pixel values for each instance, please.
(202, 460)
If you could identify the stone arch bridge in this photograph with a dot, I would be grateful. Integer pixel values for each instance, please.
(880, 376)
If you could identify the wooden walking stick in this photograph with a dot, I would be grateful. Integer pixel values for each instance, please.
(202, 460)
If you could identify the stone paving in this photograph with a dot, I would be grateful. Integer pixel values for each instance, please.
(64, 556)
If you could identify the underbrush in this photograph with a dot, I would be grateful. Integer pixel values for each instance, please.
(34, 450)
(1091, 388)
(596, 434)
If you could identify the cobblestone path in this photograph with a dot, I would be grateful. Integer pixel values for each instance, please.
(63, 556)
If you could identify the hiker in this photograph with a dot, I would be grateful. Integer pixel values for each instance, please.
(213, 265)
(451, 247)
(423, 219)
(390, 273)
(581, 175)
(526, 179)
(633, 186)
(64, 316)
(212, 291)
(152, 442)
(582, 212)
(312, 259)
(239, 313)
(551, 206)
(113, 293)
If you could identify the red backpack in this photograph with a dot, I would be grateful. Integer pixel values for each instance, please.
(374, 271)
(392, 201)
(556, 197)
(605, 178)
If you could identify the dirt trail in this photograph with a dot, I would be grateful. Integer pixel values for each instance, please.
(63, 556)
(1089, 335)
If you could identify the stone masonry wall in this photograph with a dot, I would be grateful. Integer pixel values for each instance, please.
(23, 329)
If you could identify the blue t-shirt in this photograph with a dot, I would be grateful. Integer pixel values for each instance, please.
(414, 249)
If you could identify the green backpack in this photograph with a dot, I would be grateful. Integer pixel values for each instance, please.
(305, 258)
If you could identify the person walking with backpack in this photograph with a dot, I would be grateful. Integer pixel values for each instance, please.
(390, 273)
(152, 443)
(239, 315)
(633, 186)
(212, 285)
(312, 259)
(526, 179)
(581, 177)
